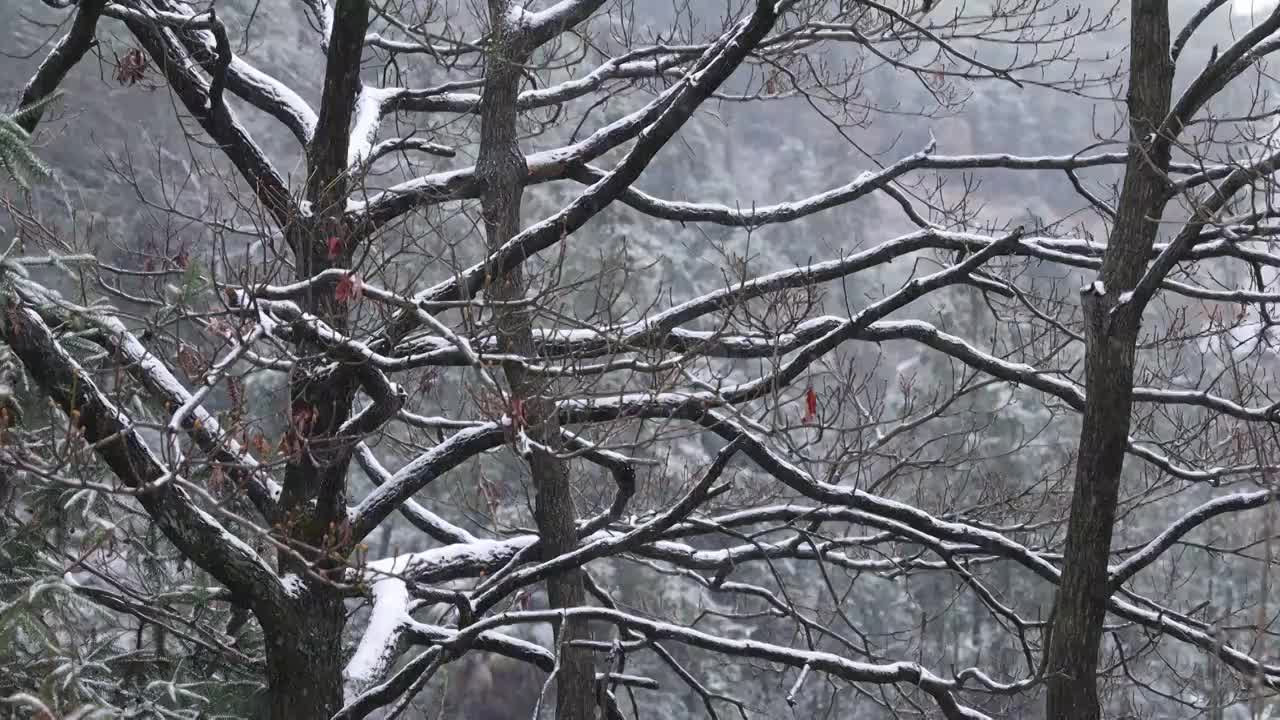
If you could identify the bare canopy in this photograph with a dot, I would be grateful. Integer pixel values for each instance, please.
(711, 472)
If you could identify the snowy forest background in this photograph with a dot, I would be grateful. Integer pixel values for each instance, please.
(119, 155)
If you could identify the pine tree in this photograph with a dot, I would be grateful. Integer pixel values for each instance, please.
(17, 158)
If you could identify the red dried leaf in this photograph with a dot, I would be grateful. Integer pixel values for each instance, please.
(260, 445)
(235, 393)
(131, 68)
(517, 413)
(338, 535)
(348, 289)
(190, 361)
(810, 406)
(427, 381)
(335, 247)
(219, 327)
(303, 418)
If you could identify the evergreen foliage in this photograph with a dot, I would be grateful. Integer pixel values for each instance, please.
(19, 160)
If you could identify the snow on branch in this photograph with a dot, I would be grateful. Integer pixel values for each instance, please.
(167, 390)
(428, 466)
(111, 431)
(64, 56)
(699, 492)
(543, 25)
(383, 638)
(940, 689)
(219, 121)
(1132, 306)
(1188, 522)
(997, 543)
(636, 64)
(543, 167)
(451, 562)
(420, 517)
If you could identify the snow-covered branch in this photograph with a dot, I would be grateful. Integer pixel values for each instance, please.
(111, 432)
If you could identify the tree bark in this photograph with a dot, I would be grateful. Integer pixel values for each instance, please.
(321, 400)
(1110, 342)
(65, 56)
(304, 656)
(304, 640)
(501, 168)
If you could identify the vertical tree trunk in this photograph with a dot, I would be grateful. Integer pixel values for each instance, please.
(304, 657)
(314, 496)
(304, 640)
(1110, 348)
(501, 168)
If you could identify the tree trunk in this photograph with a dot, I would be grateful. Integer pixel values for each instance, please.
(304, 656)
(1110, 343)
(501, 168)
(314, 499)
(304, 638)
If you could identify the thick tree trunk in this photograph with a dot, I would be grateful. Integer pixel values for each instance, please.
(304, 657)
(314, 497)
(304, 639)
(501, 168)
(1110, 343)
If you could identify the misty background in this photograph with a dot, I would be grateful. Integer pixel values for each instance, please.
(120, 154)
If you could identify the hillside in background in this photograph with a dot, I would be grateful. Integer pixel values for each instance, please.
(122, 159)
